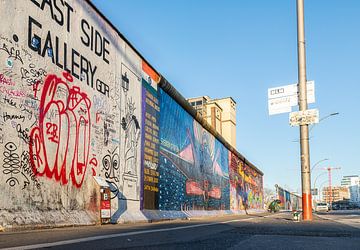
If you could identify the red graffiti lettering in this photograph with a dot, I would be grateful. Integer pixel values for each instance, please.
(97, 117)
(6, 81)
(60, 148)
(94, 162)
(52, 129)
(35, 87)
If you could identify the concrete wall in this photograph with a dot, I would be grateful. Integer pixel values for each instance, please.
(77, 101)
(66, 113)
(289, 201)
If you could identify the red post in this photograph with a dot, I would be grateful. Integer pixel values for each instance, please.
(330, 189)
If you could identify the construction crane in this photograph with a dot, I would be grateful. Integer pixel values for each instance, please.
(329, 169)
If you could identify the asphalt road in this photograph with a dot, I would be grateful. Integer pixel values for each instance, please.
(261, 231)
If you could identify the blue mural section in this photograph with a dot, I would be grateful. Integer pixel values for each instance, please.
(193, 165)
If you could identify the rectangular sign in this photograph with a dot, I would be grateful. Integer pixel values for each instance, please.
(282, 91)
(105, 213)
(281, 99)
(279, 105)
(314, 191)
(306, 117)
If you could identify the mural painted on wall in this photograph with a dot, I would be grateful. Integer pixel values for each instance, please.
(246, 190)
(151, 142)
(193, 165)
(70, 105)
(289, 201)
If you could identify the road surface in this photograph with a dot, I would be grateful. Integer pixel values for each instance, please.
(257, 231)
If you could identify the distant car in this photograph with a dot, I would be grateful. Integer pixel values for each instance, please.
(321, 207)
(335, 207)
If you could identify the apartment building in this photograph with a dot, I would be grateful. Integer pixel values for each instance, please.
(219, 113)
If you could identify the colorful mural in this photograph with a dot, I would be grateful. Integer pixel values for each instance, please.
(289, 201)
(194, 170)
(246, 188)
(193, 165)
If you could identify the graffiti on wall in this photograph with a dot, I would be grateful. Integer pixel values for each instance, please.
(17, 167)
(121, 165)
(151, 142)
(65, 124)
(193, 165)
(11, 163)
(46, 44)
(195, 171)
(17, 114)
(76, 101)
(246, 190)
(111, 165)
(289, 201)
(59, 145)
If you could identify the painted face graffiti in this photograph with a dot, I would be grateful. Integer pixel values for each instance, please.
(60, 148)
(111, 164)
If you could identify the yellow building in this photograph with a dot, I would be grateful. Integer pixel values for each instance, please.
(219, 113)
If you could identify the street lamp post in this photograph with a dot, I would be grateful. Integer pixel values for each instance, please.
(321, 174)
(313, 167)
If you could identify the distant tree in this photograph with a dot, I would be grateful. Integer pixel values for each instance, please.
(269, 195)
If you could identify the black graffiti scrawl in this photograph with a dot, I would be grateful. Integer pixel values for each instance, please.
(11, 165)
(111, 164)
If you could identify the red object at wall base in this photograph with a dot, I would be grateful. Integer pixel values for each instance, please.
(307, 207)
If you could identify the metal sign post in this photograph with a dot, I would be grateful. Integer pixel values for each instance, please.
(304, 131)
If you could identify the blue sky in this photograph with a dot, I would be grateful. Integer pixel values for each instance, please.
(240, 49)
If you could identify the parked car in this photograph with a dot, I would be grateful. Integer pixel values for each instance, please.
(321, 207)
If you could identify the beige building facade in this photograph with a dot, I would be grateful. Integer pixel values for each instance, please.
(219, 113)
(336, 194)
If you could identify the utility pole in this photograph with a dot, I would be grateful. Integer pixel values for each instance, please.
(304, 130)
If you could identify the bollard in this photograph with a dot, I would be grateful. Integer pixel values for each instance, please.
(296, 216)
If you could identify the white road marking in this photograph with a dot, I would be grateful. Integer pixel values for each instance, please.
(349, 220)
(102, 237)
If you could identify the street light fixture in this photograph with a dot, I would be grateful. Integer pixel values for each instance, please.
(323, 118)
(314, 186)
(317, 163)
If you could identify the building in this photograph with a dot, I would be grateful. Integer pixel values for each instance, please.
(352, 182)
(219, 113)
(337, 194)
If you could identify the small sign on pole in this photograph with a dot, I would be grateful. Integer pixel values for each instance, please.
(314, 191)
(306, 117)
(282, 99)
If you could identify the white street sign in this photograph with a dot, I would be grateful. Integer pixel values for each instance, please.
(309, 116)
(281, 99)
(279, 105)
(282, 91)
